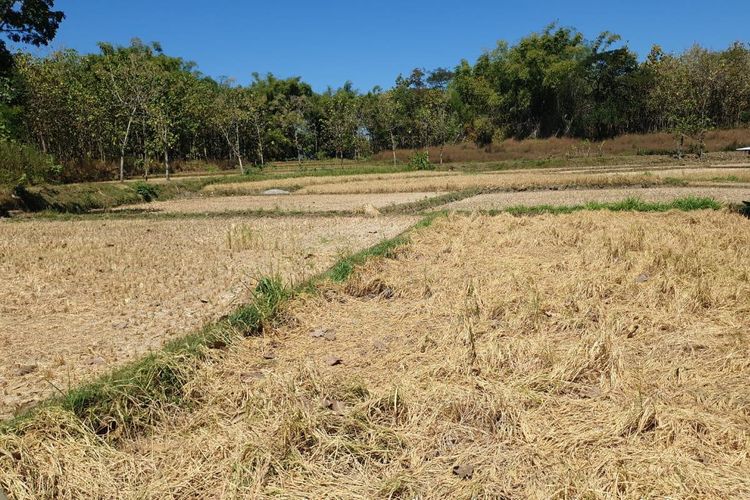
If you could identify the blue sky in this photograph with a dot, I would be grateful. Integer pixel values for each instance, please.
(370, 43)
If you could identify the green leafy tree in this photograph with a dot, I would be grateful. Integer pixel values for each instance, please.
(230, 115)
(341, 121)
(32, 22)
(126, 75)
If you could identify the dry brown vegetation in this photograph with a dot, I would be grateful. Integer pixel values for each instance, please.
(591, 355)
(524, 180)
(78, 298)
(282, 203)
(257, 187)
(605, 175)
(641, 144)
(496, 201)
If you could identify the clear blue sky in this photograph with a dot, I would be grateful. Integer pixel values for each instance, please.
(370, 43)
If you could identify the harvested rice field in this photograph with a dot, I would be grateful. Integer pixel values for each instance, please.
(589, 355)
(498, 201)
(79, 298)
(507, 179)
(292, 183)
(519, 180)
(282, 203)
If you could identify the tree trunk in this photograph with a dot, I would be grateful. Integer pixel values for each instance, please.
(122, 149)
(145, 165)
(296, 145)
(237, 145)
(166, 157)
(441, 153)
(260, 145)
(393, 148)
(166, 162)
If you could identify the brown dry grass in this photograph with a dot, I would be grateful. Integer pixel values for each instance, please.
(496, 201)
(257, 187)
(523, 180)
(282, 203)
(78, 298)
(591, 355)
(511, 149)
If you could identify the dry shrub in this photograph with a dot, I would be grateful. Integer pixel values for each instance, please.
(610, 359)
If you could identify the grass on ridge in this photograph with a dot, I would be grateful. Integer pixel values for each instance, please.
(686, 204)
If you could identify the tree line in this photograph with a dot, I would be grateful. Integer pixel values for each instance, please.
(137, 108)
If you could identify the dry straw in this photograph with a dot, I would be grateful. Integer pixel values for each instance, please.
(282, 203)
(593, 355)
(78, 298)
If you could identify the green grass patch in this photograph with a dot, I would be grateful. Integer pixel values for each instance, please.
(627, 205)
(432, 202)
(728, 178)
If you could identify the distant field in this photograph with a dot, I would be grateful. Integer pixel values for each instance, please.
(596, 355)
(523, 180)
(78, 298)
(292, 183)
(282, 203)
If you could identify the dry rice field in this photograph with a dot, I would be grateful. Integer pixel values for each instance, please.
(523, 180)
(78, 298)
(257, 187)
(590, 355)
(282, 203)
(497, 201)
(429, 181)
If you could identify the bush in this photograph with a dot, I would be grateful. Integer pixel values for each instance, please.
(421, 161)
(23, 165)
(148, 192)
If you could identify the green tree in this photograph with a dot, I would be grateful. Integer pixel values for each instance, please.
(230, 115)
(26, 21)
(126, 74)
(341, 121)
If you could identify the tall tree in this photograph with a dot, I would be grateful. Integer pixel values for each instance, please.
(229, 116)
(126, 73)
(26, 21)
